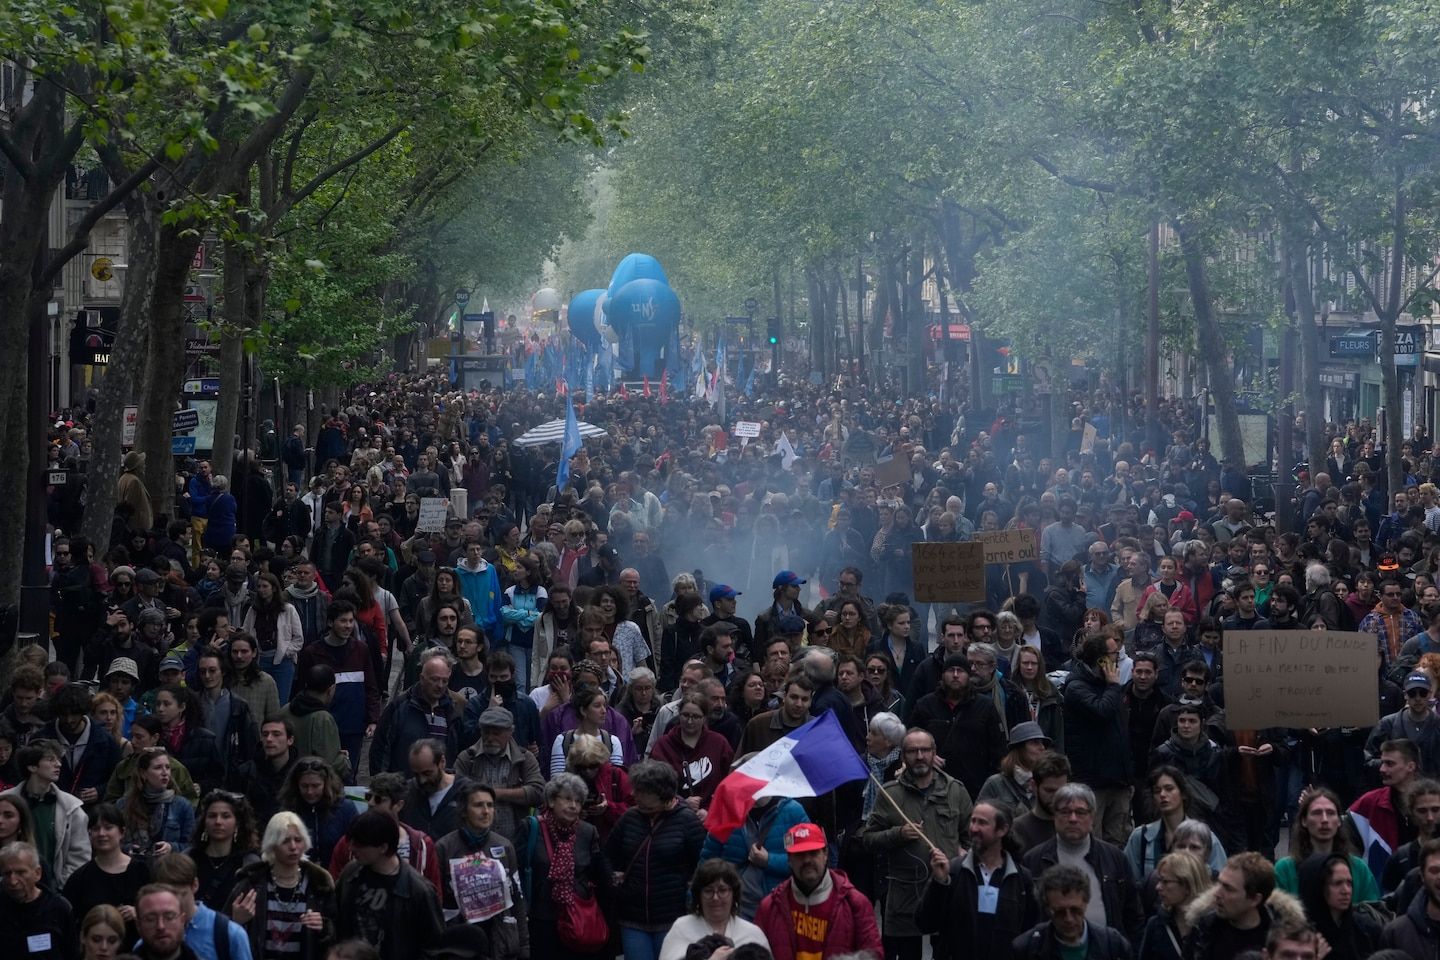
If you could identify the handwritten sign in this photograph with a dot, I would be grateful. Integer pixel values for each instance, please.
(946, 572)
(1087, 438)
(1009, 546)
(747, 428)
(1300, 678)
(433, 511)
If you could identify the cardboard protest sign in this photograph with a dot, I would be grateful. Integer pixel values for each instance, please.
(433, 511)
(1009, 546)
(948, 572)
(892, 471)
(1300, 678)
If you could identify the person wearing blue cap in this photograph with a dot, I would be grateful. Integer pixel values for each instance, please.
(1416, 722)
(722, 609)
(785, 589)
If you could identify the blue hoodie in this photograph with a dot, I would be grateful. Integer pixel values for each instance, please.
(481, 586)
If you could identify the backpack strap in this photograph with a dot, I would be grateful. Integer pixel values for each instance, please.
(220, 936)
(532, 827)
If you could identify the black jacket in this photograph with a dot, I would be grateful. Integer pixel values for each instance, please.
(1096, 724)
(319, 896)
(413, 923)
(1117, 887)
(1040, 944)
(201, 755)
(657, 855)
(99, 760)
(404, 722)
(952, 911)
(967, 735)
(416, 811)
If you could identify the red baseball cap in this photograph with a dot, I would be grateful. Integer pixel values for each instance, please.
(804, 837)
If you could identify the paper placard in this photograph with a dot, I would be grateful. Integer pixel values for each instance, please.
(481, 888)
(1009, 546)
(1087, 438)
(1300, 678)
(460, 502)
(892, 471)
(433, 511)
(747, 428)
(948, 572)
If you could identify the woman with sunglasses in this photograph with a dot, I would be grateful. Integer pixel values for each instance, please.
(880, 675)
(314, 793)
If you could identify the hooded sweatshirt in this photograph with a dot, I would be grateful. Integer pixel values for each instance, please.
(481, 586)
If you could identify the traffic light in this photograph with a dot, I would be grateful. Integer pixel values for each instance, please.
(772, 331)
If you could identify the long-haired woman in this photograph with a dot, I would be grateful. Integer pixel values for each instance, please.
(1046, 705)
(1179, 879)
(245, 679)
(1172, 804)
(157, 820)
(313, 792)
(225, 841)
(275, 624)
(1318, 829)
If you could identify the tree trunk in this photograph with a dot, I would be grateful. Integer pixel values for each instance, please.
(1390, 377)
(1296, 254)
(1212, 347)
(119, 386)
(165, 368)
(232, 359)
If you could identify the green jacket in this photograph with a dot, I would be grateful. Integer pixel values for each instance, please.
(120, 779)
(316, 734)
(942, 812)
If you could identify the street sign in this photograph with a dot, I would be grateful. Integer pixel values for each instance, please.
(1353, 345)
(184, 420)
(102, 269)
(462, 296)
(203, 385)
(183, 446)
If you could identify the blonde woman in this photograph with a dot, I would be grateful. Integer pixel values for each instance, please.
(1179, 879)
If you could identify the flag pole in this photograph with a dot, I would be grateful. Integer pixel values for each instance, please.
(884, 793)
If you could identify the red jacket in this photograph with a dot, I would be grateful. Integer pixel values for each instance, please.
(1182, 599)
(420, 854)
(701, 768)
(852, 926)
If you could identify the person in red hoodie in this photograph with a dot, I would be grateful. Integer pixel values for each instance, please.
(700, 756)
(817, 913)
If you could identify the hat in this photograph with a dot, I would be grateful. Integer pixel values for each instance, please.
(804, 837)
(723, 591)
(1417, 680)
(134, 460)
(1027, 731)
(426, 557)
(146, 575)
(237, 571)
(1184, 515)
(957, 660)
(454, 522)
(608, 552)
(122, 571)
(125, 666)
(497, 718)
(150, 615)
(172, 663)
(786, 578)
(789, 623)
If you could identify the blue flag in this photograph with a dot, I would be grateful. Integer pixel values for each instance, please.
(569, 444)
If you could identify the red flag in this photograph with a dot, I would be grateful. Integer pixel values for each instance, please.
(665, 387)
(647, 387)
(623, 392)
(561, 387)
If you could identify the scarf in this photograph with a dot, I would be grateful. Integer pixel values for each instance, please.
(990, 688)
(154, 795)
(562, 860)
(878, 766)
(175, 737)
(472, 839)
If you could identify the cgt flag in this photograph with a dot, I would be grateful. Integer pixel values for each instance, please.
(813, 759)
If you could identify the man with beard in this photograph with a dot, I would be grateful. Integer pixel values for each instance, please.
(980, 901)
(161, 923)
(1401, 879)
(817, 912)
(966, 728)
(926, 811)
(785, 589)
(275, 754)
(643, 611)
(1069, 899)
(507, 768)
(1037, 825)
(504, 693)
(430, 804)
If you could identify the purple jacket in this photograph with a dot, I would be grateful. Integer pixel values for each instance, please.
(565, 718)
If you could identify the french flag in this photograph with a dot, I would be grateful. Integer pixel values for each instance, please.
(811, 760)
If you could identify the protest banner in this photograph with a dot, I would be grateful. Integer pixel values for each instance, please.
(433, 511)
(1009, 546)
(892, 471)
(948, 572)
(481, 888)
(747, 428)
(1300, 678)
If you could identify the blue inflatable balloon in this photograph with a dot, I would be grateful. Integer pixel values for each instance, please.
(648, 312)
(581, 318)
(636, 266)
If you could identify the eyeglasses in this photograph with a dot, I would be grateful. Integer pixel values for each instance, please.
(1194, 680)
(717, 892)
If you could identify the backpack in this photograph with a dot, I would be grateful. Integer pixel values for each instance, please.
(568, 739)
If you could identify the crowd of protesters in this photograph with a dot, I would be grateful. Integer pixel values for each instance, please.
(287, 722)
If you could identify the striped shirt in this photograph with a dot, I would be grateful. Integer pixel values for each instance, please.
(283, 908)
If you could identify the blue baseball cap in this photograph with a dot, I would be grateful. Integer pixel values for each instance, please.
(786, 578)
(723, 591)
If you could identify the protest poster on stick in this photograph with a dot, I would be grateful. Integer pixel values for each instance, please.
(948, 572)
(433, 512)
(1009, 546)
(1300, 678)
